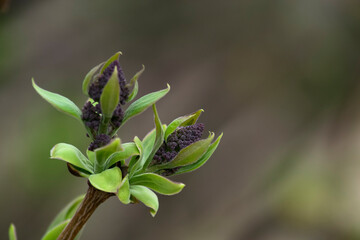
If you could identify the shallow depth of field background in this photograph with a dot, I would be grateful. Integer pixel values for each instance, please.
(280, 78)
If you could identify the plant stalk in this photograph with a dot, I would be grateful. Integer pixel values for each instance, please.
(92, 200)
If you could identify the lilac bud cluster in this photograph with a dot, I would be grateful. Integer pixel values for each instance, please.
(179, 139)
(97, 86)
(91, 112)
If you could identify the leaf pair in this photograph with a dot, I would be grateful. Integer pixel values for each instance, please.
(97, 161)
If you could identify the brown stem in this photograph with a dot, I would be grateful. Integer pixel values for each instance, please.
(92, 200)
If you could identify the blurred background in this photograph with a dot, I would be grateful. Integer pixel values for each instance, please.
(280, 78)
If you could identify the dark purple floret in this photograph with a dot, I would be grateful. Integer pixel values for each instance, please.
(117, 117)
(179, 139)
(91, 116)
(98, 85)
(100, 141)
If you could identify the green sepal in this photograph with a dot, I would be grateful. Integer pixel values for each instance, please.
(124, 191)
(202, 160)
(182, 122)
(110, 60)
(88, 78)
(110, 95)
(134, 82)
(104, 152)
(187, 155)
(128, 150)
(61, 103)
(67, 212)
(159, 139)
(108, 180)
(72, 155)
(146, 196)
(54, 233)
(143, 103)
(12, 232)
(157, 183)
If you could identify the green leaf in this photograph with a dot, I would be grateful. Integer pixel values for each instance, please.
(182, 121)
(143, 103)
(157, 183)
(89, 76)
(134, 166)
(12, 232)
(159, 139)
(71, 154)
(66, 213)
(124, 191)
(134, 82)
(186, 156)
(202, 160)
(110, 95)
(129, 149)
(78, 171)
(110, 60)
(61, 103)
(108, 180)
(54, 233)
(104, 152)
(146, 196)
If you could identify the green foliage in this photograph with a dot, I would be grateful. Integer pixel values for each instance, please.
(143, 103)
(61, 103)
(89, 77)
(135, 84)
(157, 183)
(146, 196)
(12, 232)
(108, 180)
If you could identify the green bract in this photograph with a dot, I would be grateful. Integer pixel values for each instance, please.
(127, 170)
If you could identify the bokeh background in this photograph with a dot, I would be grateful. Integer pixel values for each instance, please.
(280, 78)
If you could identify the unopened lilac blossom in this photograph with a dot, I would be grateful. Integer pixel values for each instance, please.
(98, 85)
(181, 138)
(91, 116)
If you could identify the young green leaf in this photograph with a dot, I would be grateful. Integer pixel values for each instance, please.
(12, 232)
(159, 139)
(134, 82)
(67, 212)
(61, 103)
(186, 156)
(104, 152)
(129, 149)
(108, 180)
(54, 233)
(110, 95)
(71, 154)
(146, 196)
(202, 160)
(124, 191)
(89, 76)
(157, 183)
(182, 121)
(134, 164)
(110, 60)
(143, 103)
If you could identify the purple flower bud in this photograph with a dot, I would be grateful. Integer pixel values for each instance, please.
(118, 116)
(100, 141)
(179, 139)
(98, 85)
(91, 116)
